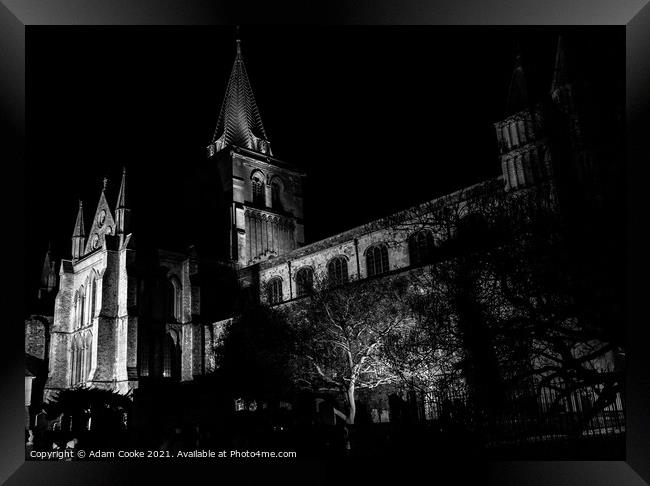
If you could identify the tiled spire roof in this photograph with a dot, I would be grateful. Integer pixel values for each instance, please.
(239, 121)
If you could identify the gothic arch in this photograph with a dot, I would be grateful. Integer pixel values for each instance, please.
(258, 190)
(422, 247)
(376, 259)
(277, 192)
(93, 294)
(275, 178)
(88, 315)
(89, 352)
(173, 333)
(304, 280)
(76, 360)
(81, 308)
(75, 309)
(174, 298)
(337, 269)
(172, 355)
(257, 173)
(274, 290)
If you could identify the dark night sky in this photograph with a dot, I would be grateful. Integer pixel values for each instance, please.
(378, 117)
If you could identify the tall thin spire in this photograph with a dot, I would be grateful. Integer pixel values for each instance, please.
(239, 122)
(79, 224)
(561, 72)
(518, 91)
(48, 276)
(238, 41)
(79, 234)
(121, 198)
(46, 264)
(122, 212)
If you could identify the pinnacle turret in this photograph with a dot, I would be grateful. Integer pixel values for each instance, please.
(122, 212)
(79, 234)
(48, 274)
(121, 198)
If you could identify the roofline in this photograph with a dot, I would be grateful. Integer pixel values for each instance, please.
(376, 224)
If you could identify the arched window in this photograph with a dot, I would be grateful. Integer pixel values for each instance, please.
(276, 190)
(506, 137)
(304, 281)
(274, 290)
(83, 361)
(76, 361)
(75, 310)
(258, 190)
(376, 260)
(88, 351)
(73, 362)
(82, 307)
(93, 298)
(337, 270)
(174, 300)
(421, 247)
(172, 356)
(513, 135)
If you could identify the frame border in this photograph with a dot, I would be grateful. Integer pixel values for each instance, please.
(17, 15)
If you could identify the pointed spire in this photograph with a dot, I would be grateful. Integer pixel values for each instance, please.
(79, 224)
(47, 266)
(238, 40)
(239, 120)
(561, 72)
(122, 213)
(48, 275)
(121, 198)
(79, 234)
(518, 91)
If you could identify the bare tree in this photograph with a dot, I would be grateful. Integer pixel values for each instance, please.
(427, 356)
(511, 295)
(341, 331)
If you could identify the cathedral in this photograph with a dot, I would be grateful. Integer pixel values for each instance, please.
(120, 315)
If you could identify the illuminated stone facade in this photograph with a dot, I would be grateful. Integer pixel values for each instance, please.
(116, 323)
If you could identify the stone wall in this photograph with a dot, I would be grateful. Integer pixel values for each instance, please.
(392, 231)
(190, 329)
(36, 330)
(273, 226)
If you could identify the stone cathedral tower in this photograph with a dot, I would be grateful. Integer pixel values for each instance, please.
(523, 143)
(263, 195)
(92, 336)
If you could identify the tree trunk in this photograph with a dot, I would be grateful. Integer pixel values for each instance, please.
(352, 405)
(481, 364)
